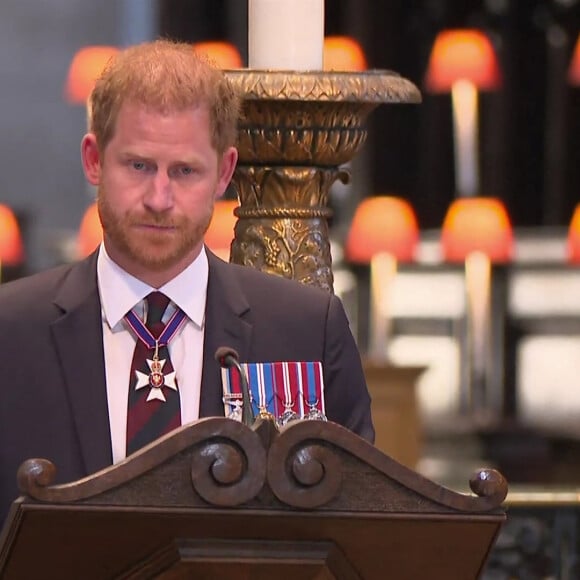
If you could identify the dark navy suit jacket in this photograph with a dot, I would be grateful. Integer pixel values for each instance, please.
(53, 401)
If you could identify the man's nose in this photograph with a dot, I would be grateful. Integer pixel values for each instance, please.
(160, 196)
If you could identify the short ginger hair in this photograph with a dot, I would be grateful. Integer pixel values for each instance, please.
(166, 76)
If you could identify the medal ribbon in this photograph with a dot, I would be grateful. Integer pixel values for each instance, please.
(295, 381)
(232, 393)
(278, 387)
(144, 334)
(311, 376)
(283, 378)
(266, 389)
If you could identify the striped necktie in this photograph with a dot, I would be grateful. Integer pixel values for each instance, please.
(153, 408)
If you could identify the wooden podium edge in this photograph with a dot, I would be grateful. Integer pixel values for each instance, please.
(223, 448)
(218, 480)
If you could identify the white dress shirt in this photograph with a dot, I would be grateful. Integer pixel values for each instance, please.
(121, 292)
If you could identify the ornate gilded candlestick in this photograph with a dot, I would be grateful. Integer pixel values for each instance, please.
(296, 131)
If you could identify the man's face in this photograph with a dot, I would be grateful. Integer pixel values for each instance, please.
(157, 181)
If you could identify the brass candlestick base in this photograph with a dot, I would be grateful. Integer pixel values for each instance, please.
(296, 130)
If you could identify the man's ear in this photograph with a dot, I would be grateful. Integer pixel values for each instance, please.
(91, 159)
(226, 170)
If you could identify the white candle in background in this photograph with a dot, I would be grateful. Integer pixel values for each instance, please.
(286, 34)
(464, 100)
(383, 275)
(478, 287)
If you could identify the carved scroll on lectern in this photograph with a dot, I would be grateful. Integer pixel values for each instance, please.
(218, 499)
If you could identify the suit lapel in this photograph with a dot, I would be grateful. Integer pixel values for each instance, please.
(225, 325)
(82, 360)
(78, 338)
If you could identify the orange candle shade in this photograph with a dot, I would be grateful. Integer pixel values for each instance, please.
(220, 233)
(11, 247)
(343, 53)
(464, 54)
(224, 54)
(382, 224)
(86, 66)
(573, 242)
(574, 68)
(477, 224)
(90, 231)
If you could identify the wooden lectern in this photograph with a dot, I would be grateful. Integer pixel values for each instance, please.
(217, 499)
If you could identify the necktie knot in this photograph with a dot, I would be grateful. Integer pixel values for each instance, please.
(157, 303)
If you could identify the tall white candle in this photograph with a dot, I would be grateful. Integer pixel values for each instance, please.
(478, 287)
(464, 100)
(383, 275)
(286, 34)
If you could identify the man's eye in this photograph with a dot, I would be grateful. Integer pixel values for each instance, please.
(181, 171)
(138, 165)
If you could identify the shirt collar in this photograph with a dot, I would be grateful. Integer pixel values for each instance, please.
(120, 292)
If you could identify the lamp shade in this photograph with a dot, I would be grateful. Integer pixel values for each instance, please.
(90, 231)
(86, 66)
(224, 54)
(220, 233)
(574, 68)
(463, 54)
(11, 248)
(343, 53)
(573, 244)
(382, 224)
(477, 224)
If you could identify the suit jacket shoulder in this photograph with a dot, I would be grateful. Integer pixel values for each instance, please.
(54, 403)
(44, 294)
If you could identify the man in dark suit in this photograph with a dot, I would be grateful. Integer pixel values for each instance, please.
(160, 150)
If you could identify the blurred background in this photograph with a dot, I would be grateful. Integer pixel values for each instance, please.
(508, 375)
(468, 317)
(529, 138)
